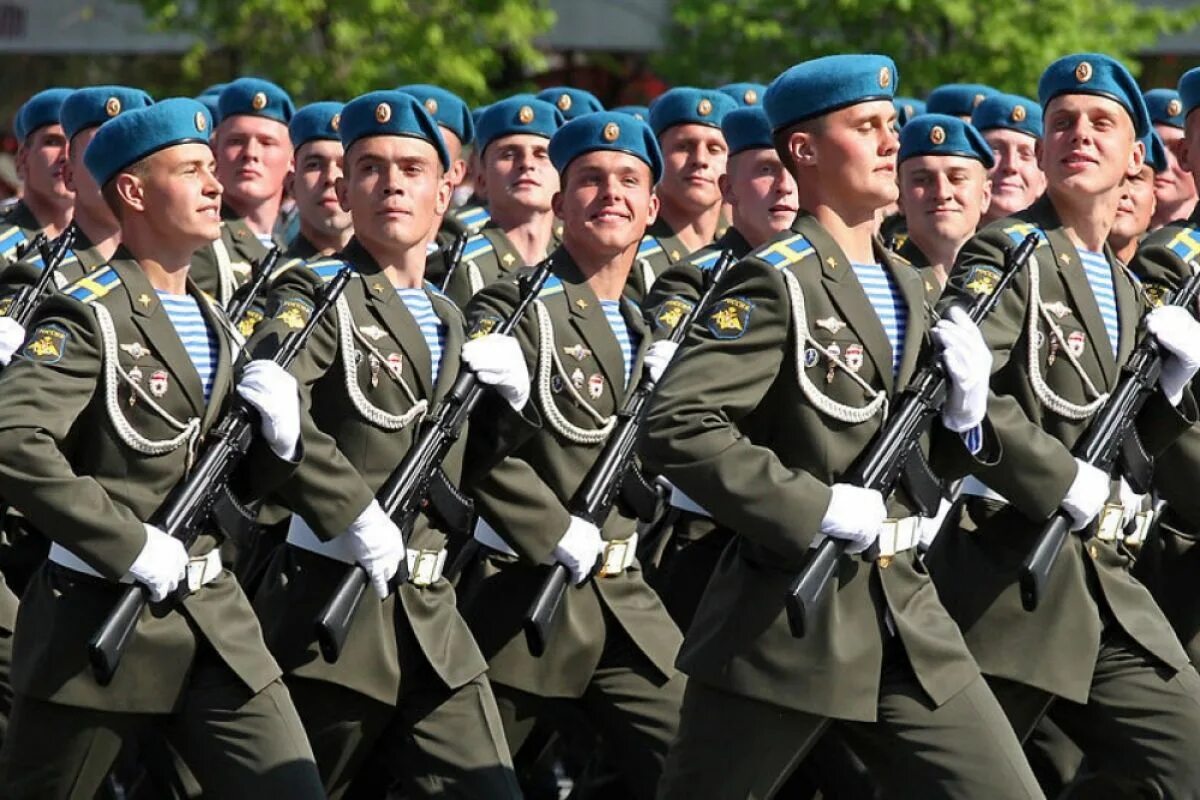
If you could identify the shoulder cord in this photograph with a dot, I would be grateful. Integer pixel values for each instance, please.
(822, 402)
(648, 276)
(188, 432)
(225, 277)
(371, 413)
(547, 357)
(1048, 397)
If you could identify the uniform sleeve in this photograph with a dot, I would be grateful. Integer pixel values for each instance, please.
(508, 491)
(325, 489)
(47, 389)
(671, 298)
(693, 435)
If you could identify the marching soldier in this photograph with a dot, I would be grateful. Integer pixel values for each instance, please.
(687, 123)
(1138, 199)
(410, 680)
(770, 400)
(254, 157)
(1096, 645)
(762, 195)
(46, 202)
(613, 647)
(518, 182)
(944, 190)
(1012, 127)
(1174, 187)
(325, 227)
(120, 379)
(957, 99)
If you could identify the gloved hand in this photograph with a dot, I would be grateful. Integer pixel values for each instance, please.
(854, 514)
(498, 362)
(161, 564)
(377, 545)
(272, 391)
(11, 337)
(1131, 503)
(1179, 334)
(579, 549)
(1087, 495)
(659, 356)
(968, 362)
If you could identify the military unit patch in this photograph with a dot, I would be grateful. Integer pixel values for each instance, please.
(47, 344)
(249, 322)
(293, 312)
(483, 326)
(670, 313)
(730, 318)
(982, 280)
(1156, 294)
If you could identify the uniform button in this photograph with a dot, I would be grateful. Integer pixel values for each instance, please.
(1093, 551)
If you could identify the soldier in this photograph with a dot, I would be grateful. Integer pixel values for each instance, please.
(944, 190)
(571, 102)
(518, 182)
(1136, 209)
(613, 648)
(957, 99)
(1012, 127)
(410, 681)
(1174, 187)
(121, 377)
(762, 195)
(1096, 645)
(254, 157)
(46, 202)
(325, 227)
(883, 662)
(687, 123)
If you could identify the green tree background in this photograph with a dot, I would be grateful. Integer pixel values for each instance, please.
(1006, 44)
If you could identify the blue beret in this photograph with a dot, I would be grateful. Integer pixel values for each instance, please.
(744, 94)
(943, 135)
(1097, 74)
(685, 105)
(1165, 107)
(40, 110)
(816, 87)
(315, 121)
(521, 113)
(214, 89)
(605, 130)
(390, 113)
(1156, 152)
(95, 105)
(1009, 111)
(1189, 90)
(446, 108)
(128, 138)
(255, 97)
(211, 102)
(637, 112)
(957, 99)
(907, 108)
(747, 129)
(571, 102)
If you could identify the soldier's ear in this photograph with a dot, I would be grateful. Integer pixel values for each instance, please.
(131, 190)
(1137, 158)
(652, 213)
(802, 148)
(445, 188)
(556, 204)
(726, 187)
(986, 201)
(339, 186)
(69, 175)
(1039, 152)
(458, 171)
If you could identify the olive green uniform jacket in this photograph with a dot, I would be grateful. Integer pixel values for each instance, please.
(1045, 356)
(366, 383)
(522, 477)
(90, 446)
(755, 420)
(227, 263)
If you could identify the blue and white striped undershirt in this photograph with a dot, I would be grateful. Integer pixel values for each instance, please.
(197, 338)
(888, 304)
(612, 313)
(432, 328)
(1099, 277)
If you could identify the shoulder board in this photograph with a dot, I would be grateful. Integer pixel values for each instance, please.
(476, 246)
(706, 261)
(326, 268)
(94, 286)
(474, 218)
(1019, 231)
(11, 237)
(649, 246)
(785, 252)
(552, 286)
(1185, 244)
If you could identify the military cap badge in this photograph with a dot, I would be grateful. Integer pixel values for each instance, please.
(112, 107)
(259, 102)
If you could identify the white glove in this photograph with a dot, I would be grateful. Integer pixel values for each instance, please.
(1179, 334)
(1087, 495)
(579, 549)
(1131, 503)
(498, 361)
(659, 356)
(377, 545)
(272, 391)
(854, 514)
(11, 337)
(968, 362)
(161, 564)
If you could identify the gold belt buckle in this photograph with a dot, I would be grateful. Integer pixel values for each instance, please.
(1108, 529)
(425, 568)
(197, 569)
(614, 558)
